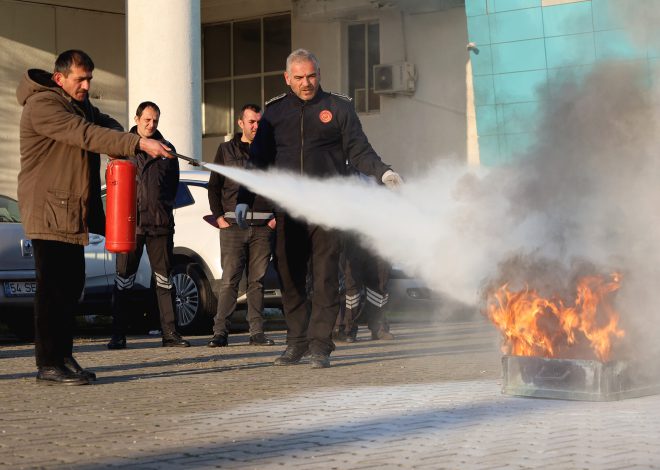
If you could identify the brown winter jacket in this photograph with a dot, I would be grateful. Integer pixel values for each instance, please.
(58, 144)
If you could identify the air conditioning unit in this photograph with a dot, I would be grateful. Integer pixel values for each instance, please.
(399, 77)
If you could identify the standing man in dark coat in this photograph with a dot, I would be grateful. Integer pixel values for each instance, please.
(241, 250)
(61, 136)
(158, 180)
(314, 133)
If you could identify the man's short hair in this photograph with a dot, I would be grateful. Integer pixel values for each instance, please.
(71, 58)
(302, 55)
(250, 106)
(144, 105)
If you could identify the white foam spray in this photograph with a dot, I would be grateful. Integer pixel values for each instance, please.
(442, 227)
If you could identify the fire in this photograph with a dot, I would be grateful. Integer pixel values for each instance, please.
(536, 326)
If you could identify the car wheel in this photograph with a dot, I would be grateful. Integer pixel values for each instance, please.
(194, 299)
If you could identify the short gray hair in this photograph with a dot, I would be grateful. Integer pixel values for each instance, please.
(302, 55)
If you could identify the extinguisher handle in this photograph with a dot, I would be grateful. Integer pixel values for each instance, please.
(190, 160)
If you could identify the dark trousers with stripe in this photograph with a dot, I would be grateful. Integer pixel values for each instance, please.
(243, 250)
(301, 247)
(366, 276)
(159, 250)
(60, 272)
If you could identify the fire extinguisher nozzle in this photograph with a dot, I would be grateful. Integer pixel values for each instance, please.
(190, 160)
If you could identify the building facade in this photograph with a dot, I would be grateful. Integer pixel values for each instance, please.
(523, 52)
(201, 60)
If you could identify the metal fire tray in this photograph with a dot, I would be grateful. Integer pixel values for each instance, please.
(577, 379)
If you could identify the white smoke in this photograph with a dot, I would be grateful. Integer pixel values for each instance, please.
(442, 227)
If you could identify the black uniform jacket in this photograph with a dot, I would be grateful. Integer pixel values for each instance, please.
(158, 180)
(316, 138)
(223, 191)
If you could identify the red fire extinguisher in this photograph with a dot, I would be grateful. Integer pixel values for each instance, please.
(121, 208)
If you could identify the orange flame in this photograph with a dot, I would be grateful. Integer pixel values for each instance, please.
(536, 326)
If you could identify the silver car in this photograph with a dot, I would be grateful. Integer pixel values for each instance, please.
(18, 278)
(16, 271)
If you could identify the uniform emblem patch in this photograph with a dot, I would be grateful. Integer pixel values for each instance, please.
(325, 116)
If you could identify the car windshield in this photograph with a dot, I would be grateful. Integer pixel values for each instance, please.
(9, 210)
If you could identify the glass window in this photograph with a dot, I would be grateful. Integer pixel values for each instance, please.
(183, 196)
(9, 210)
(244, 63)
(373, 58)
(246, 90)
(277, 42)
(247, 47)
(363, 54)
(217, 107)
(217, 43)
(274, 85)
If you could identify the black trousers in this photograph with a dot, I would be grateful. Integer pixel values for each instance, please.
(366, 276)
(159, 250)
(60, 272)
(243, 250)
(301, 246)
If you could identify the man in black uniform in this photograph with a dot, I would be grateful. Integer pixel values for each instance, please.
(158, 180)
(314, 133)
(241, 249)
(366, 276)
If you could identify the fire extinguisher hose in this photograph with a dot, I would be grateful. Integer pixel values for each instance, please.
(190, 160)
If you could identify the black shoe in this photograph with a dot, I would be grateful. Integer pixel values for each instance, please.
(382, 334)
(319, 361)
(351, 337)
(291, 355)
(71, 364)
(59, 375)
(218, 341)
(260, 339)
(174, 340)
(117, 342)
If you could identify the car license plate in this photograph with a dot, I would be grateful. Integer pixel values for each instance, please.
(20, 288)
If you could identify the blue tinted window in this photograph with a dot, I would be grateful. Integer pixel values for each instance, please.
(183, 196)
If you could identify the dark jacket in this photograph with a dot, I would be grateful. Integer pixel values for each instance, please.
(59, 182)
(158, 180)
(316, 138)
(223, 192)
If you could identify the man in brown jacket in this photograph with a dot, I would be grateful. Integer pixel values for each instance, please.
(61, 136)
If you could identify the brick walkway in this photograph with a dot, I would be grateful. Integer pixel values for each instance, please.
(430, 399)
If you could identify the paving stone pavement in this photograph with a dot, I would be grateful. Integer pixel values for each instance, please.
(429, 399)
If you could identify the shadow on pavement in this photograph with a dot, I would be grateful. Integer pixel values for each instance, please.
(303, 446)
(226, 354)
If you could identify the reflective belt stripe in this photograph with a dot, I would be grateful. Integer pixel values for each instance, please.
(251, 215)
(124, 283)
(163, 281)
(374, 298)
(352, 301)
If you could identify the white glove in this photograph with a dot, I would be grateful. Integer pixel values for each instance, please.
(241, 215)
(392, 179)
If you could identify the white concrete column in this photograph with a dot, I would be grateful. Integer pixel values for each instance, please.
(164, 66)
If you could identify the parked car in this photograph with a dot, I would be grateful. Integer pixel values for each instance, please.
(18, 277)
(16, 270)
